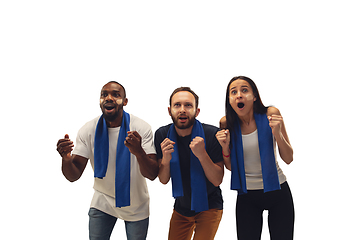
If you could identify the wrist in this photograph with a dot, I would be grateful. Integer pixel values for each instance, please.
(226, 153)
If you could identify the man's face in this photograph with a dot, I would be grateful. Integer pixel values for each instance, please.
(183, 110)
(112, 100)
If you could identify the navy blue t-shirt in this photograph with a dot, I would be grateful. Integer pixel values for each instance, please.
(183, 204)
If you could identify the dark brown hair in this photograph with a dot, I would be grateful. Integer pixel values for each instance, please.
(185, 89)
(231, 116)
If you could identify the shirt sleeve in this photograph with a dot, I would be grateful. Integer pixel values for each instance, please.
(147, 141)
(82, 147)
(144, 129)
(213, 146)
(160, 135)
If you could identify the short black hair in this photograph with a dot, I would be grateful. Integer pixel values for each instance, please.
(119, 84)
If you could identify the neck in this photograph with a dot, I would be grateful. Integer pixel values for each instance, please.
(184, 132)
(115, 123)
(248, 118)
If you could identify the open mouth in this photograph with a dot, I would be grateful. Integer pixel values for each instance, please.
(241, 105)
(109, 107)
(183, 118)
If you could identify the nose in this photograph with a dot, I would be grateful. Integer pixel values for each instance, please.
(239, 95)
(182, 108)
(109, 98)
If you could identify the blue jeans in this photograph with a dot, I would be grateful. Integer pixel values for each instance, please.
(101, 225)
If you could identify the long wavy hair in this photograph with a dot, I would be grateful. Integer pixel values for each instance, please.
(231, 117)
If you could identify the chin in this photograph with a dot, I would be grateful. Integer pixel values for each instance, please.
(111, 118)
(186, 125)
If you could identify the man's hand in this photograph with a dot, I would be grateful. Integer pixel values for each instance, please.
(167, 147)
(65, 147)
(197, 146)
(133, 142)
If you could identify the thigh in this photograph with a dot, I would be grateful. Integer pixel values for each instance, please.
(249, 218)
(207, 223)
(100, 224)
(281, 215)
(181, 227)
(137, 230)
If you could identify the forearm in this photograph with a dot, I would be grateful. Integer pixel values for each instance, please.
(226, 156)
(149, 166)
(214, 172)
(164, 173)
(70, 170)
(285, 149)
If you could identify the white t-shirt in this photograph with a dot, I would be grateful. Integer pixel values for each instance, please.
(252, 162)
(104, 196)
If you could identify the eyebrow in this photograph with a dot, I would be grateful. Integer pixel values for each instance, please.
(240, 86)
(183, 103)
(117, 91)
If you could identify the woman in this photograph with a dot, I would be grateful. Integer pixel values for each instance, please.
(250, 132)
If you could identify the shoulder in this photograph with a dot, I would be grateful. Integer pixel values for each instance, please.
(272, 111)
(162, 130)
(136, 121)
(222, 123)
(210, 132)
(210, 128)
(90, 125)
(141, 126)
(161, 134)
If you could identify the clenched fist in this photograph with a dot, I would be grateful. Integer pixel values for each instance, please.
(223, 138)
(197, 146)
(65, 147)
(275, 122)
(167, 147)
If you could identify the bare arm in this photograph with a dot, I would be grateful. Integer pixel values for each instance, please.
(73, 166)
(223, 137)
(278, 128)
(149, 166)
(167, 147)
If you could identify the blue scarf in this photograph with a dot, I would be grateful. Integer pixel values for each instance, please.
(199, 198)
(101, 158)
(266, 149)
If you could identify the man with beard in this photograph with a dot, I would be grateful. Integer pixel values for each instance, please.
(121, 151)
(191, 156)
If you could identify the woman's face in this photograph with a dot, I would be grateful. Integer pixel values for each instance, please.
(241, 97)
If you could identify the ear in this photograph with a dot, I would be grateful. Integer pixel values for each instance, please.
(169, 110)
(125, 102)
(197, 112)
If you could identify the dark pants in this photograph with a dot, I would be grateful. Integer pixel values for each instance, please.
(250, 207)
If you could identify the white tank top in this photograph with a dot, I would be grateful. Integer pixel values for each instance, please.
(252, 162)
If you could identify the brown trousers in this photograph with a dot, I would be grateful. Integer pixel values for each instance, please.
(205, 225)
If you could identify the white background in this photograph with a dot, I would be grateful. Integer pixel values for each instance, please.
(56, 55)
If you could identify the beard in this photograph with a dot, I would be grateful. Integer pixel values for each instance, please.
(111, 117)
(178, 124)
